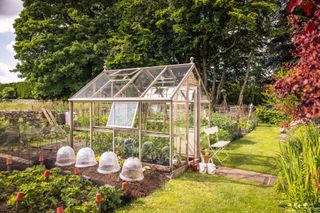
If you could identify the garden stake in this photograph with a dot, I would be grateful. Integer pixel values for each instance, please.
(47, 174)
(124, 185)
(41, 159)
(9, 164)
(19, 198)
(60, 209)
(76, 171)
(98, 202)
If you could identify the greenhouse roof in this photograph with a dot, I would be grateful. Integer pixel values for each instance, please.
(147, 83)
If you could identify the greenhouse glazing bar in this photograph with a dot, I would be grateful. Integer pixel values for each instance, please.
(131, 99)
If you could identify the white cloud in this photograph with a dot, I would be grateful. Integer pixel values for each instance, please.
(9, 11)
(6, 76)
(6, 24)
(10, 46)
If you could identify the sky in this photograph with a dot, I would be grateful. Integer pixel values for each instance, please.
(9, 11)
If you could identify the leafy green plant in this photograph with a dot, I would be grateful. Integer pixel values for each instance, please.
(147, 150)
(73, 192)
(102, 142)
(299, 164)
(248, 125)
(129, 148)
(84, 119)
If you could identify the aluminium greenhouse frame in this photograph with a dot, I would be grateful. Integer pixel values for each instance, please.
(170, 79)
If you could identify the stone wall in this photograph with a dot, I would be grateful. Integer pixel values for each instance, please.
(34, 118)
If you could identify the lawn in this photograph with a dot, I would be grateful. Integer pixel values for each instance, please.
(194, 192)
(257, 151)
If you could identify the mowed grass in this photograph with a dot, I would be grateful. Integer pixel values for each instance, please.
(256, 151)
(194, 192)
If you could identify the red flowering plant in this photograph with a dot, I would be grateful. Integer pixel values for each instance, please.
(298, 90)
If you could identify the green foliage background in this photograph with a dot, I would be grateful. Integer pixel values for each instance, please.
(22, 90)
(62, 44)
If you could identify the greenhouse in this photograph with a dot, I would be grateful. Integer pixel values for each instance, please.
(152, 113)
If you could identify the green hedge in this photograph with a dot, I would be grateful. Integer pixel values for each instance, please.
(270, 116)
(18, 90)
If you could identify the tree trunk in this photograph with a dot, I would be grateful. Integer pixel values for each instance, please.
(246, 78)
(213, 87)
(220, 87)
(204, 66)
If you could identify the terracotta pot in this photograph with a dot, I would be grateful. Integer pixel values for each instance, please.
(41, 158)
(193, 165)
(98, 198)
(124, 185)
(76, 171)
(47, 173)
(60, 209)
(9, 161)
(19, 196)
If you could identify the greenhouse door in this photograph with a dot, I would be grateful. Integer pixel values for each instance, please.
(193, 124)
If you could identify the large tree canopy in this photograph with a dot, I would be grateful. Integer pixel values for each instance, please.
(61, 44)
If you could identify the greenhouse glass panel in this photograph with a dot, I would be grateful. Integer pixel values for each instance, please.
(137, 86)
(110, 89)
(93, 86)
(166, 84)
(122, 114)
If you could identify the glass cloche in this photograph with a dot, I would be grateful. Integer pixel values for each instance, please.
(65, 156)
(132, 170)
(85, 158)
(108, 163)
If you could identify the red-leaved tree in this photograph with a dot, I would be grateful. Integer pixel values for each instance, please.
(298, 91)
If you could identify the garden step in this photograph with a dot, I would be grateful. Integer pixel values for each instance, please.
(17, 159)
(257, 177)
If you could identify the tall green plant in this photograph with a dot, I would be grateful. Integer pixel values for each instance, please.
(299, 163)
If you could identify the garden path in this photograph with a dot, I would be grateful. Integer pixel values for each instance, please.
(256, 177)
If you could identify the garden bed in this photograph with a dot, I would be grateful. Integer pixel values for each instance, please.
(153, 180)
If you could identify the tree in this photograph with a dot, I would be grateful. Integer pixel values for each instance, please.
(61, 44)
(300, 85)
(170, 31)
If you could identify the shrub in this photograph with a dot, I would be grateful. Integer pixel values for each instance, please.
(224, 123)
(270, 116)
(299, 162)
(248, 125)
(8, 93)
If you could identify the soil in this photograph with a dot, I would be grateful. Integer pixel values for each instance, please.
(153, 180)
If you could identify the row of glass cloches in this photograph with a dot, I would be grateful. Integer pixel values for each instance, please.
(108, 163)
